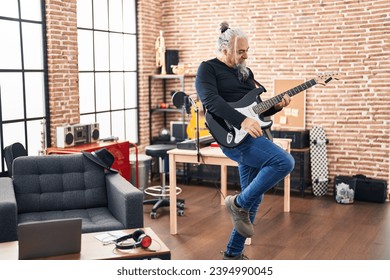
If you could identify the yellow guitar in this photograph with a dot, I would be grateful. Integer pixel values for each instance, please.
(191, 127)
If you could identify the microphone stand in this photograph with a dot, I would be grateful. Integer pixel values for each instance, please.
(197, 133)
(196, 110)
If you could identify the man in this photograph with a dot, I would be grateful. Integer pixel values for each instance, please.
(261, 163)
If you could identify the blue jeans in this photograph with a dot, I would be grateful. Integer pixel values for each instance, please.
(261, 165)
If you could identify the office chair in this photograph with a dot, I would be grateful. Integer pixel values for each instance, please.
(161, 192)
(12, 152)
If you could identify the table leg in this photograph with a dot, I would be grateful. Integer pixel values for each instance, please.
(172, 194)
(287, 193)
(223, 183)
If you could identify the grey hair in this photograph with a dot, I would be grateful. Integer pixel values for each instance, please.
(226, 40)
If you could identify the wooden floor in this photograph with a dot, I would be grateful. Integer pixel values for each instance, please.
(317, 228)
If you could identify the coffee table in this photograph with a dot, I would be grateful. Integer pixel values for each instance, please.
(93, 249)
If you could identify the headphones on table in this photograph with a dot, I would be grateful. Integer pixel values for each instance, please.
(139, 236)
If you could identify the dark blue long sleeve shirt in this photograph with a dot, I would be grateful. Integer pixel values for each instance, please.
(217, 84)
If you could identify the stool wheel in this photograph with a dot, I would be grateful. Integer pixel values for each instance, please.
(180, 213)
(153, 215)
(180, 206)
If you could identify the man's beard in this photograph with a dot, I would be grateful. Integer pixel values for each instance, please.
(243, 72)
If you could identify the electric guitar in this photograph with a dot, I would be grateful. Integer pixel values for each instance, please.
(192, 125)
(251, 106)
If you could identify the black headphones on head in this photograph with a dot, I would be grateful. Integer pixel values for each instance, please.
(140, 237)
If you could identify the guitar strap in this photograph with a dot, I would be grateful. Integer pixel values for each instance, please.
(258, 85)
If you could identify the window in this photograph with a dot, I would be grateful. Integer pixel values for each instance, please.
(107, 44)
(23, 87)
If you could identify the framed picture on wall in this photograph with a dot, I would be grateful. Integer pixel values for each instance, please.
(292, 117)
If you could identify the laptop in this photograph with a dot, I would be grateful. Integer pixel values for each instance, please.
(49, 238)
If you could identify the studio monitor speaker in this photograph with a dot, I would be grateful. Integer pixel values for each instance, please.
(171, 58)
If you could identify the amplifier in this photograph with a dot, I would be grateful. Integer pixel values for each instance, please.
(300, 139)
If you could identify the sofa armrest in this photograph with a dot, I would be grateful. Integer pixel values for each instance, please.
(125, 201)
(8, 211)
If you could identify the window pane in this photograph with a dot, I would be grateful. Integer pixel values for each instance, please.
(90, 118)
(11, 96)
(132, 126)
(34, 129)
(31, 9)
(104, 124)
(86, 92)
(116, 15)
(117, 92)
(129, 16)
(101, 51)
(9, 8)
(85, 47)
(116, 52)
(130, 49)
(84, 13)
(130, 90)
(102, 91)
(118, 121)
(100, 14)
(10, 54)
(35, 95)
(13, 132)
(32, 50)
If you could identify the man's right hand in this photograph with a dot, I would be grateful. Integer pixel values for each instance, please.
(252, 127)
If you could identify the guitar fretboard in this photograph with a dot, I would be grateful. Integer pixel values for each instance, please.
(264, 106)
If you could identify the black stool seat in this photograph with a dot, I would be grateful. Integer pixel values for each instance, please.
(161, 192)
(159, 150)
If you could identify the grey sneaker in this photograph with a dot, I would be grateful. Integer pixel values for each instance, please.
(238, 257)
(240, 217)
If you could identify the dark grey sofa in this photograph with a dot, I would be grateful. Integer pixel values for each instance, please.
(67, 186)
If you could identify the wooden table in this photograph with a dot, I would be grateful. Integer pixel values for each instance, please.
(213, 156)
(93, 249)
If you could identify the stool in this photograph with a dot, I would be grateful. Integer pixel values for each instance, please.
(161, 192)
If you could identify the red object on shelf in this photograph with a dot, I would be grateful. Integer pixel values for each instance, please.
(119, 149)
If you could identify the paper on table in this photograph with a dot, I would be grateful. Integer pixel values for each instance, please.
(109, 236)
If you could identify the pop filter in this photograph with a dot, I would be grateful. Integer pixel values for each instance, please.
(181, 100)
(178, 99)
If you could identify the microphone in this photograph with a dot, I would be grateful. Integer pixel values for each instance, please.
(187, 104)
(193, 104)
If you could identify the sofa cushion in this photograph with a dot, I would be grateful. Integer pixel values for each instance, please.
(93, 219)
(58, 182)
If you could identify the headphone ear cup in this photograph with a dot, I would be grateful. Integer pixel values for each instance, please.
(136, 234)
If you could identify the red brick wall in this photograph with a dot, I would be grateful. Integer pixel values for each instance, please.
(288, 39)
(297, 39)
(61, 23)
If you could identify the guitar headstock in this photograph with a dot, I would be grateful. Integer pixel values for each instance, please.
(325, 78)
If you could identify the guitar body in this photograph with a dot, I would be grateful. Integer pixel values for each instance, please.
(226, 134)
(192, 127)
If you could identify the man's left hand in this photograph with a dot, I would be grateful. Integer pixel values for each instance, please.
(286, 99)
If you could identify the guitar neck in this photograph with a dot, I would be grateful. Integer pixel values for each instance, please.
(266, 105)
